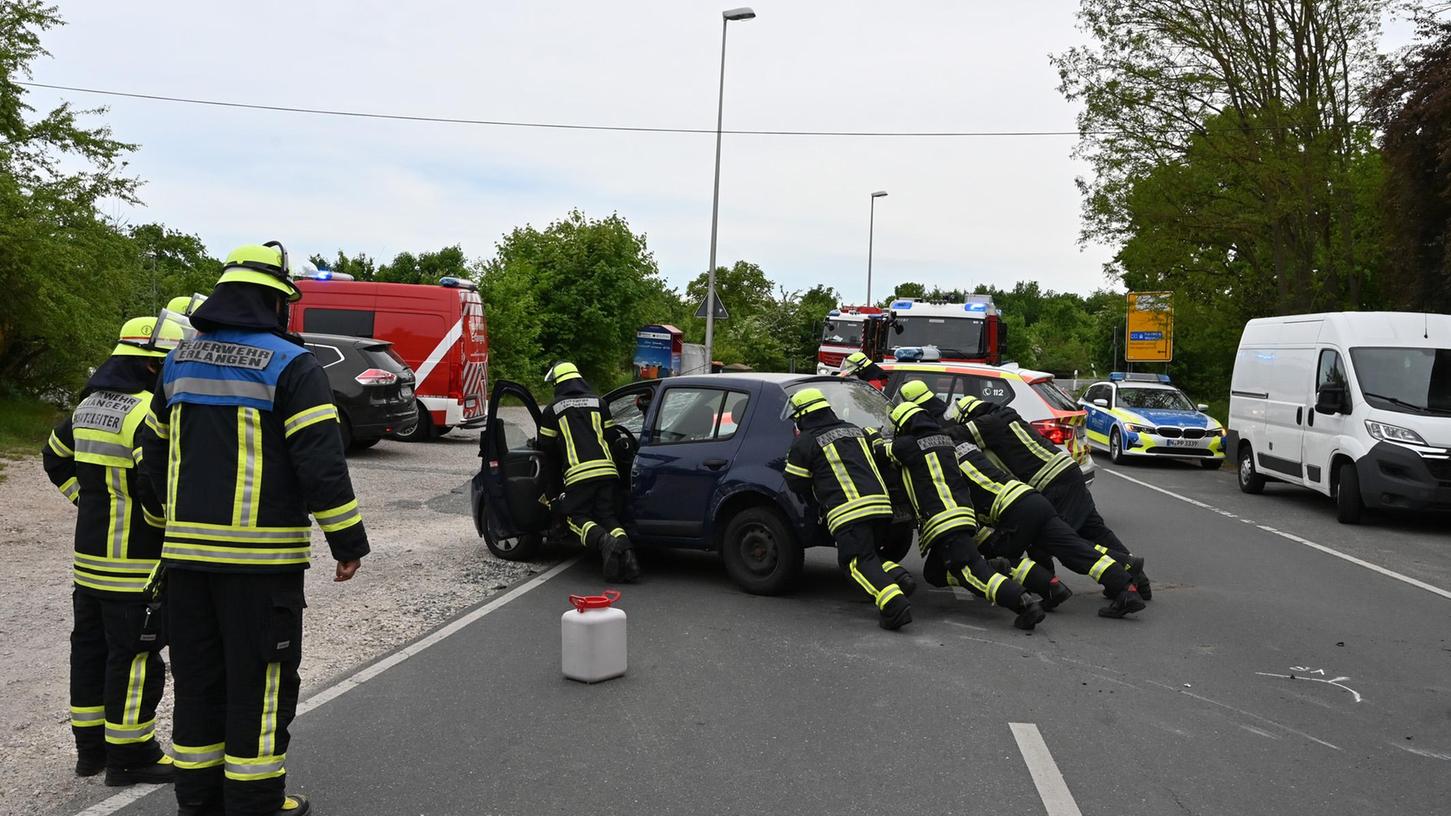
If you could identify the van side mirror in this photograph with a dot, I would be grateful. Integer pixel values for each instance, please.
(1332, 399)
(1201, 407)
(1101, 402)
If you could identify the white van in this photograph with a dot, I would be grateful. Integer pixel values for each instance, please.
(1356, 405)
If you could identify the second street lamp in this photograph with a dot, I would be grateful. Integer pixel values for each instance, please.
(871, 230)
(726, 17)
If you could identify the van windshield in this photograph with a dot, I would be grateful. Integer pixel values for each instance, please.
(1408, 380)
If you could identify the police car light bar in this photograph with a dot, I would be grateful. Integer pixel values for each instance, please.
(917, 354)
(458, 283)
(1138, 376)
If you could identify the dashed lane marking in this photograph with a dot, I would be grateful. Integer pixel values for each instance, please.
(352, 681)
(1046, 776)
(1435, 590)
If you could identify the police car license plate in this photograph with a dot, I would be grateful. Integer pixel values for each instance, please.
(1183, 443)
(406, 392)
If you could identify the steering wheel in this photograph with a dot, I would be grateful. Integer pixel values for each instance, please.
(625, 441)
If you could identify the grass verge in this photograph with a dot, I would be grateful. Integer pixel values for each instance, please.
(24, 425)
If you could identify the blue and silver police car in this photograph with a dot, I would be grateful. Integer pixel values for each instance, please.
(1144, 415)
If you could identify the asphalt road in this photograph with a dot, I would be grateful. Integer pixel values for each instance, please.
(1266, 677)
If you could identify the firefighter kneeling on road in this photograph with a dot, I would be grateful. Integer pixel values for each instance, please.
(832, 459)
(1030, 456)
(575, 431)
(942, 500)
(244, 434)
(117, 675)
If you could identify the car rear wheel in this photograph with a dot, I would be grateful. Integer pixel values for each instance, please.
(1250, 481)
(523, 547)
(760, 553)
(1348, 504)
(1116, 447)
(422, 431)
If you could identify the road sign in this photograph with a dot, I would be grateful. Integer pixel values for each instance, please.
(1150, 328)
(720, 310)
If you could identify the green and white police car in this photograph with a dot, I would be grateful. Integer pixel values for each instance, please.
(1131, 415)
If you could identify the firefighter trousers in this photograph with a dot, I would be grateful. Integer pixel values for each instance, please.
(1071, 498)
(857, 551)
(968, 569)
(590, 509)
(236, 644)
(1033, 527)
(115, 684)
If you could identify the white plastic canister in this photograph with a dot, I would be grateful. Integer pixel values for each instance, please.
(592, 638)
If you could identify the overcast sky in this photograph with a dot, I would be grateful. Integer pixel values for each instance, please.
(960, 211)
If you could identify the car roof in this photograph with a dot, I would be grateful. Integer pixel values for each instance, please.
(343, 340)
(1134, 384)
(965, 368)
(740, 377)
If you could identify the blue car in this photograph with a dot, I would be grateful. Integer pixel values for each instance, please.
(705, 457)
(1142, 415)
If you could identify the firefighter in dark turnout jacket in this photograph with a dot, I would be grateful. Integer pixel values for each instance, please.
(576, 431)
(117, 675)
(832, 460)
(1018, 448)
(244, 434)
(917, 393)
(942, 500)
(859, 365)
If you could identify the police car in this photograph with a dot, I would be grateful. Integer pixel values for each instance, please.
(1143, 415)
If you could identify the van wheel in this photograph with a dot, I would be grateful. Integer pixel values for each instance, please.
(1348, 504)
(1250, 481)
(1116, 447)
(760, 553)
(422, 431)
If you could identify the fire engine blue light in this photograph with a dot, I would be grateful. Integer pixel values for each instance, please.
(324, 274)
(834, 313)
(902, 304)
(975, 307)
(450, 281)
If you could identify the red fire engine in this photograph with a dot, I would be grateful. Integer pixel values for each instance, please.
(966, 332)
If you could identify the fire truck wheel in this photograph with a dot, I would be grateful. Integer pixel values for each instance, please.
(422, 431)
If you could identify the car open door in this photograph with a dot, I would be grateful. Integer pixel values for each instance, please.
(510, 491)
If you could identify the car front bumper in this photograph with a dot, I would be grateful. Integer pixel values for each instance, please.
(1150, 444)
(1395, 477)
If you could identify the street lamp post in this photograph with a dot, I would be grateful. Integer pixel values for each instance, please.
(871, 234)
(727, 16)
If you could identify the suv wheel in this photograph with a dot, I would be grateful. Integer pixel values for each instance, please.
(1250, 481)
(760, 553)
(1348, 504)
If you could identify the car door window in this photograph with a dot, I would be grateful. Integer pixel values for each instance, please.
(327, 356)
(1097, 392)
(1331, 371)
(695, 414)
(628, 410)
(992, 389)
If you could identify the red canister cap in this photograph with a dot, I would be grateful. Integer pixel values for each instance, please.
(603, 601)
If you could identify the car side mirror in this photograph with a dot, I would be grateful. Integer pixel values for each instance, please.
(1101, 402)
(1331, 399)
(1201, 407)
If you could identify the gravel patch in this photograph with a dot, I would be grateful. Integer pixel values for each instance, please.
(427, 564)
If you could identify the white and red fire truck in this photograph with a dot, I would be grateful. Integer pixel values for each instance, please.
(440, 331)
(967, 332)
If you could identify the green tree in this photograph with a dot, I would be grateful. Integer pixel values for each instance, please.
(426, 267)
(752, 334)
(168, 263)
(62, 266)
(360, 266)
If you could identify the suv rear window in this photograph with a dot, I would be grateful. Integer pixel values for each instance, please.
(1054, 396)
(383, 356)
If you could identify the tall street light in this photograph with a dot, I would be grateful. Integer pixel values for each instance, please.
(871, 230)
(727, 16)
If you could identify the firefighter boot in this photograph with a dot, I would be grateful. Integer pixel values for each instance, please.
(612, 555)
(160, 772)
(1127, 601)
(629, 564)
(1030, 612)
(294, 804)
(1058, 592)
(1135, 566)
(90, 763)
(896, 614)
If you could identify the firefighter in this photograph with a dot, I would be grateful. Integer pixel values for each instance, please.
(244, 434)
(917, 393)
(576, 431)
(859, 365)
(117, 674)
(1018, 448)
(832, 459)
(942, 500)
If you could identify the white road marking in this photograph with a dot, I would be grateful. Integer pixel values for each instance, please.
(1046, 776)
(114, 803)
(1241, 711)
(1336, 682)
(1435, 590)
(1423, 752)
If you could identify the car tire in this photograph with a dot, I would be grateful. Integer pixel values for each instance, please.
(1116, 447)
(898, 543)
(1211, 464)
(1349, 506)
(422, 431)
(364, 444)
(345, 432)
(760, 553)
(1250, 481)
(520, 548)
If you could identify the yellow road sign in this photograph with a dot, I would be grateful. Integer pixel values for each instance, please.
(1150, 328)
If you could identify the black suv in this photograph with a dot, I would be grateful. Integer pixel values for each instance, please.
(372, 386)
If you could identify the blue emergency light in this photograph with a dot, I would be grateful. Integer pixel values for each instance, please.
(902, 304)
(834, 313)
(1138, 376)
(974, 307)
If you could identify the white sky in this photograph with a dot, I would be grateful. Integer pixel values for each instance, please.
(960, 211)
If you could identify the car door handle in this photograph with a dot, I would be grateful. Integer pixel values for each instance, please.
(714, 464)
(1299, 414)
(1310, 417)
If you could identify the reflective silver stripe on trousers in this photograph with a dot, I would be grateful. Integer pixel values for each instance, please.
(100, 448)
(187, 756)
(173, 551)
(221, 388)
(238, 534)
(88, 716)
(121, 510)
(130, 731)
(260, 768)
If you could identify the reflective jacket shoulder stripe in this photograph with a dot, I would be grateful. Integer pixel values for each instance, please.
(310, 416)
(60, 447)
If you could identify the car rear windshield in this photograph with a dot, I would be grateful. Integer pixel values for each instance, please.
(851, 400)
(383, 356)
(1054, 396)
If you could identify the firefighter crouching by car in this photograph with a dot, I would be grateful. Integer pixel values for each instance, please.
(573, 432)
(942, 500)
(832, 459)
(859, 365)
(917, 393)
(1021, 450)
(117, 674)
(244, 435)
